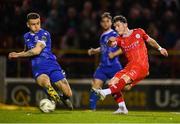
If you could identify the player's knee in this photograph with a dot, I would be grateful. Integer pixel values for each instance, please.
(113, 81)
(127, 87)
(96, 85)
(126, 78)
(44, 82)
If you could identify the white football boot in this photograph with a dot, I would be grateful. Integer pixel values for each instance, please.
(121, 110)
(99, 93)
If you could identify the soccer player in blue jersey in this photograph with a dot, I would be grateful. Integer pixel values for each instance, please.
(109, 63)
(45, 67)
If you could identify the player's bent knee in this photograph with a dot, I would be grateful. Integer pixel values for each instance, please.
(126, 78)
(43, 82)
(95, 85)
(127, 87)
(114, 80)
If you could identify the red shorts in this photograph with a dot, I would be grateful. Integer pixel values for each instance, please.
(136, 73)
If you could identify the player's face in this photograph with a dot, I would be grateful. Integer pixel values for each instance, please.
(120, 27)
(106, 23)
(34, 24)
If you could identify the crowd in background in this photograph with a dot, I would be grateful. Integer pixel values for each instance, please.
(74, 24)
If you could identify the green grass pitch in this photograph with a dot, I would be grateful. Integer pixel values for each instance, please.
(84, 116)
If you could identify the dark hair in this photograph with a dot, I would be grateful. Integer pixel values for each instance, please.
(33, 16)
(106, 15)
(120, 18)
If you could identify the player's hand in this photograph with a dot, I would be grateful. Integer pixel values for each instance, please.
(112, 41)
(91, 51)
(13, 55)
(111, 55)
(164, 52)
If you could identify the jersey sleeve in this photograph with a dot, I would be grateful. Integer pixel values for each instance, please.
(144, 35)
(114, 34)
(43, 38)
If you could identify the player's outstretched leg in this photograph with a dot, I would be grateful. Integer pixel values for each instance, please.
(44, 81)
(115, 85)
(63, 85)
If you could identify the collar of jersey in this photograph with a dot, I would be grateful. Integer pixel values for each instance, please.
(34, 33)
(108, 31)
(129, 33)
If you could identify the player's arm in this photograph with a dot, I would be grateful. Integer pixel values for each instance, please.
(32, 52)
(93, 51)
(23, 50)
(116, 53)
(155, 45)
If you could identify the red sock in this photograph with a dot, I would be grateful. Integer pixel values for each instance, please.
(118, 97)
(118, 86)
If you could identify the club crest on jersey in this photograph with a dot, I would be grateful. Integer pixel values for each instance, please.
(138, 36)
(36, 38)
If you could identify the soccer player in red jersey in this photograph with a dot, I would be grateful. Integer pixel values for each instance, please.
(132, 42)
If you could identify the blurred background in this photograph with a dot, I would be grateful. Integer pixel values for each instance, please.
(74, 27)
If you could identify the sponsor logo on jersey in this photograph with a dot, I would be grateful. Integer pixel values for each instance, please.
(44, 38)
(131, 46)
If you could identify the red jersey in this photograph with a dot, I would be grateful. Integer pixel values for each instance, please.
(134, 48)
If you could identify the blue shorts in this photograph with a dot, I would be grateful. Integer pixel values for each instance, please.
(50, 68)
(106, 72)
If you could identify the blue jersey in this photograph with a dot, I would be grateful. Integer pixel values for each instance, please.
(105, 49)
(42, 36)
(45, 62)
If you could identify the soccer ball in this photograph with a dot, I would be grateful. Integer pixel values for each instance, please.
(47, 105)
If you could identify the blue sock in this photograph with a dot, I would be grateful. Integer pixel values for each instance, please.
(93, 100)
